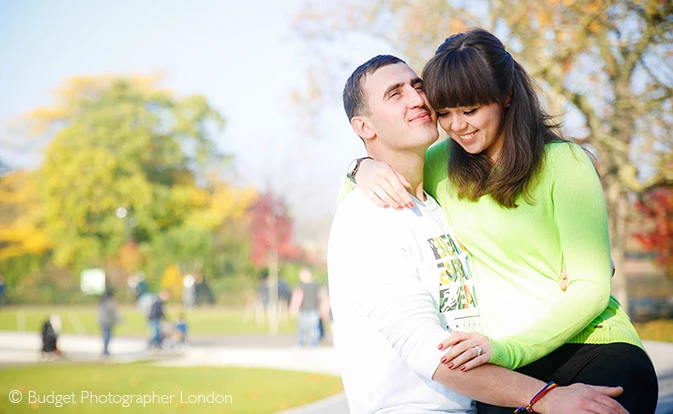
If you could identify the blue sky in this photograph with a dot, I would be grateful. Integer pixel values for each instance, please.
(243, 56)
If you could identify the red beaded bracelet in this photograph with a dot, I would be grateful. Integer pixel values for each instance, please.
(529, 408)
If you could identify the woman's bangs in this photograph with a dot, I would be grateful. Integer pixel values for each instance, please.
(459, 79)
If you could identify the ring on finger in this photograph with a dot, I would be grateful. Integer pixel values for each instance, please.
(479, 350)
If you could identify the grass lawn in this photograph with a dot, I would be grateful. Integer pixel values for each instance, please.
(165, 389)
(202, 321)
(83, 320)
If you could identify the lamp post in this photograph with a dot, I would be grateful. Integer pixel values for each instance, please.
(122, 212)
(129, 222)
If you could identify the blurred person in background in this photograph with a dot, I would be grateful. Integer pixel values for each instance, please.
(108, 317)
(155, 317)
(2, 291)
(51, 329)
(305, 304)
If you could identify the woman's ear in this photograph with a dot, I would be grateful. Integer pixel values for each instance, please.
(508, 99)
(362, 127)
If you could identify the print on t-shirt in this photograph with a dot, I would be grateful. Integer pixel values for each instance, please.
(457, 298)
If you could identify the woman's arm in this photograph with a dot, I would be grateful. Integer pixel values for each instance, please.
(384, 186)
(580, 216)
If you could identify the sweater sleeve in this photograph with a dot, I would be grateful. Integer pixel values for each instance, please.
(436, 167)
(385, 286)
(580, 217)
(345, 188)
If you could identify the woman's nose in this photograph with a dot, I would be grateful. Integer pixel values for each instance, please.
(458, 124)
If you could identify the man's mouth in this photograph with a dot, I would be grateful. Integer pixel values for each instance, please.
(421, 117)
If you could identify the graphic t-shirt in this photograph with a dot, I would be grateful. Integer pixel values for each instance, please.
(386, 269)
(457, 299)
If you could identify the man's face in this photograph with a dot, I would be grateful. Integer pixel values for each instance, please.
(399, 112)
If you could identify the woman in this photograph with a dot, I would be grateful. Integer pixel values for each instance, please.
(528, 206)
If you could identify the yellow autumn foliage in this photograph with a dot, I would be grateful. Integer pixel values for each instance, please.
(171, 280)
(21, 217)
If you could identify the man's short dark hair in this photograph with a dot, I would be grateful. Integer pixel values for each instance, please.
(353, 96)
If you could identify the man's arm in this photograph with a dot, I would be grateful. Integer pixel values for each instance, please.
(499, 386)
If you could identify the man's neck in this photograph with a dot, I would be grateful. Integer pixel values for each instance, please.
(408, 164)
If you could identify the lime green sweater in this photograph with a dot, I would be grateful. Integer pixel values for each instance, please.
(518, 255)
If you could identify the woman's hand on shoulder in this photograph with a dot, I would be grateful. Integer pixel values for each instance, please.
(465, 350)
(563, 283)
(384, 186)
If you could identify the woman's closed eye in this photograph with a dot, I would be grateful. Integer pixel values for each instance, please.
(441, 114)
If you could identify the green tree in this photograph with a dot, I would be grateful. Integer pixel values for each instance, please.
(123, 164)
(607, 65)
(186, 247)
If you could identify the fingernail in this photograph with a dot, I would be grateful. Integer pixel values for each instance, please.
(440, 346)
(410, 204)
(450, 365)
(462, 368)
(443, 359)
(386, 206)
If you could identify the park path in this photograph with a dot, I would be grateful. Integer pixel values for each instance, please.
(260, 351)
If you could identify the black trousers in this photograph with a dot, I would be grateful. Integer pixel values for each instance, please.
(616, 364)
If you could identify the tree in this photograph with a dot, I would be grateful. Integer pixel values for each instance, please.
(21, 217)
(608, 65)
(271, 230)
(24, 244)
(131, 180)
(120, 142)
(656, 206)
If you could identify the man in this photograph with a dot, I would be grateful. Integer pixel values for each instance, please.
(155, 317)
(386, 268)
(305, 304)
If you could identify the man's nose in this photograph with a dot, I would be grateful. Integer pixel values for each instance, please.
(416, 98)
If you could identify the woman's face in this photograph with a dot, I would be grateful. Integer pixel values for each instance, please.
(477, 129)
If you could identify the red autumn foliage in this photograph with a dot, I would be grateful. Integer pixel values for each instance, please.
(271, 229)
(656, 206)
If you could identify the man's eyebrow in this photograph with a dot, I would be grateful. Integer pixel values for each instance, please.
(393, 87)
(412, 82)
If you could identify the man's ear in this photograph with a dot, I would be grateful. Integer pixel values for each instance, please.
(362, 127)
